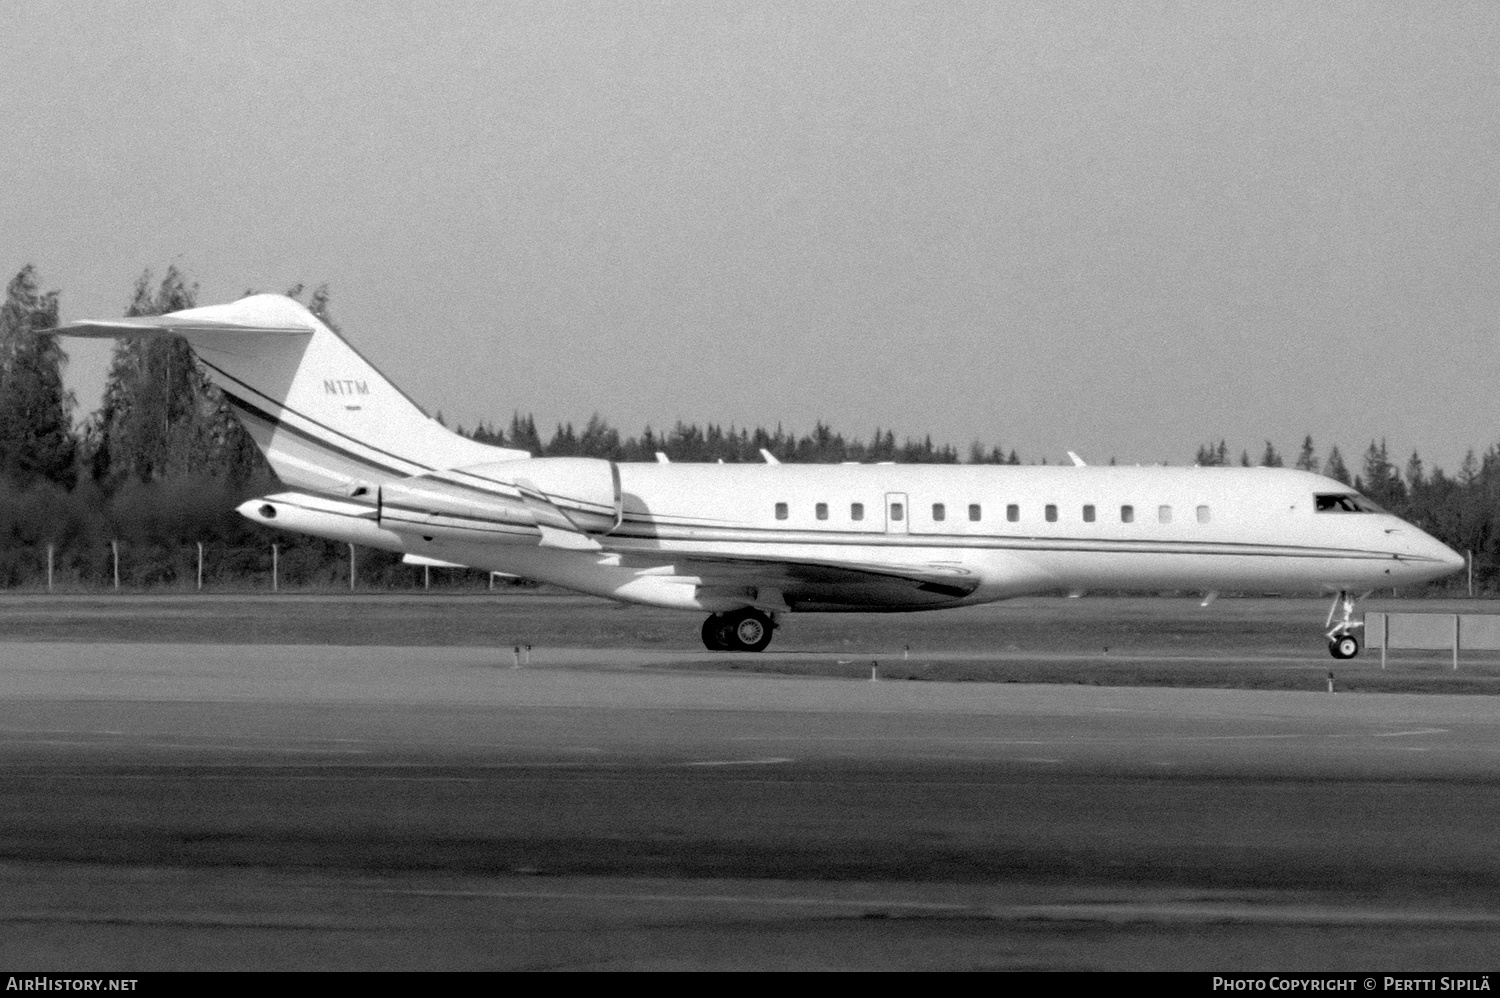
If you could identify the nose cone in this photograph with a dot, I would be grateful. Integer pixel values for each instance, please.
(1452, 560)
(1430, 557)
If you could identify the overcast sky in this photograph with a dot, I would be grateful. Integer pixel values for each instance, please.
(1112, 228)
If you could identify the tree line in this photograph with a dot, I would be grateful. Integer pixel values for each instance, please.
(162, 463)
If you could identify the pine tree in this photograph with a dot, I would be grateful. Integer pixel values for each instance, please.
(642, 448)
(1270, 459)
(1380, 480)
(1468, 471)
(1415, 476)
(1210, 456)
(1335, 469)
(523, 435)
(995, 455)
(564, 442)
(36, 433)
(162, 417)
(599, 439)
(1308, 459)
(158, 415)
(319, 304)
(485, 433)
(822, 445)
(687, 443)
(742, 444)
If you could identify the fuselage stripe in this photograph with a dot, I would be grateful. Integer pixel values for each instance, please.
(278, 421)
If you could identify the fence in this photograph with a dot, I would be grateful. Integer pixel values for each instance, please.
(1432, 632)
(183, 566)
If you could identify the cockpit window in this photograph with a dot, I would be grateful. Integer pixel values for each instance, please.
(1345, 502)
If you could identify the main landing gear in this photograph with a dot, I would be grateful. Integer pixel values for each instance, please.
(1343, 641)
(747, 629)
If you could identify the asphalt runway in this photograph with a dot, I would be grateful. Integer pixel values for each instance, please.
(292, 806)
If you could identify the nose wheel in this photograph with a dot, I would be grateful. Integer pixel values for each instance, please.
(739, 630)
(1343, 635)
(1344, 647)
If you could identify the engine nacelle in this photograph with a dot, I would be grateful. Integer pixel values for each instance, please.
(320, 516)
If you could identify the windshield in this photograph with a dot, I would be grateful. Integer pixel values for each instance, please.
(1345, 502)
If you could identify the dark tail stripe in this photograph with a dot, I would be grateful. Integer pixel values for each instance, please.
(281, 404)
(261, 415)
(276, 421)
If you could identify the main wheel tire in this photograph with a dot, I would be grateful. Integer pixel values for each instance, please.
(715, 633)
(1344, 646)
(751, 631)
(742, 630)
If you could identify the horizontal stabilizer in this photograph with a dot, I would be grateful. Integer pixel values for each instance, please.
(170, 325)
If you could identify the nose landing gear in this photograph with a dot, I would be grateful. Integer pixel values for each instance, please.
(747, 629)
(1343, 638)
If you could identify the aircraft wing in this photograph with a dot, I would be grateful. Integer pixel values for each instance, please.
(826, 585)
(430, 506)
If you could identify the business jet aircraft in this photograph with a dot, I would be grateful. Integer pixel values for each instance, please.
(745, 543)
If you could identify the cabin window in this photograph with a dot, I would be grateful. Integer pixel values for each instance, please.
(1013, 513)
(1164, 514)
(856, 511)
(781, 511)
(1051, 513)
(1088, 514)
(1127, 514)
(974, 511)
(939, 512)
(1344, 502)
(1203, 514)
(821, 510)
(898, 512)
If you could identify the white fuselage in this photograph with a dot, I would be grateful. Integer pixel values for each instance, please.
(994, 531)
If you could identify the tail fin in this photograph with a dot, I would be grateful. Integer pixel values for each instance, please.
(325, 418)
